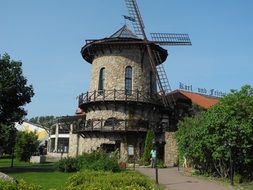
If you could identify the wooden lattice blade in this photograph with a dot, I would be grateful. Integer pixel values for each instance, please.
(134, 13)
(170, 39)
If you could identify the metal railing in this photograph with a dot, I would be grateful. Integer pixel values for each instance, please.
(118, 95)
(117, 125)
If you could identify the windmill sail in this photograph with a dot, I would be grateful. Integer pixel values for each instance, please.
(170, 39)
(134, 13)
(158, 38)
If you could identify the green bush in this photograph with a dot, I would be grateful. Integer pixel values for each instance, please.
(238, 178)
(27, 144)
(160, 164)
(98, 161)
(21, 185)
(109, 181)
(105, 164)
(209, 140)
(68, 165)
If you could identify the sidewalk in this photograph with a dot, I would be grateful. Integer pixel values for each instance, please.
(172, 179)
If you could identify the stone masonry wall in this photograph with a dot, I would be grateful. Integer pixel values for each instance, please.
(91, 144)
(115, 64)
(171, 151)
(73, 145)
(122, 113)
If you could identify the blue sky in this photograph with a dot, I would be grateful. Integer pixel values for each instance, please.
(47, 37)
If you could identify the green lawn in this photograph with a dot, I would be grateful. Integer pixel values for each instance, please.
(6, 162)
(43, 175)
(46, 180)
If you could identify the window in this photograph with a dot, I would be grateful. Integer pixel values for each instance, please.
(128, 80)
(101, 82)
(52, 144)
(112, 121)
(63, 145)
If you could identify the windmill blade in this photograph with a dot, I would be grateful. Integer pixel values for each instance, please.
(136, 19)
(171, 39)
(162, 77)
(138, 26)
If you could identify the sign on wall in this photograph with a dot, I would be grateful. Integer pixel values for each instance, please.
(211, 92)
(131, 150)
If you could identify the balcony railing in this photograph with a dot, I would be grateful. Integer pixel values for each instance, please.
(118, 95)
(116, 125)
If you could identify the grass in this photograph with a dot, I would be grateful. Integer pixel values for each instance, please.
(244, 186)
(45, 175)
(46, 180)
(237, 186)
(6, 162)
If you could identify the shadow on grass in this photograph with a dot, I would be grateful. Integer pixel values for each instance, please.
(33, 168)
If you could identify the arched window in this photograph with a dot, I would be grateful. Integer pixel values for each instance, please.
(128, 80)
(112, 121)
(101, 82)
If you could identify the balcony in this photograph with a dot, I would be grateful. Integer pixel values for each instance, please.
(119, 95)
(117, 125)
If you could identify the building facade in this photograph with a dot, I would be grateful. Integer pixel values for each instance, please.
(122, 102)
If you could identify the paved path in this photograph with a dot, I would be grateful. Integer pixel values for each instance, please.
(174, 180)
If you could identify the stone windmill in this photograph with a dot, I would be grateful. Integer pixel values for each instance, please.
(122, 102)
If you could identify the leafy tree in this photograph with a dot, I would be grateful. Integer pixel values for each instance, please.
(7, 138)
(14, 91)
(225, 130)
(148, 145)
(26, 145)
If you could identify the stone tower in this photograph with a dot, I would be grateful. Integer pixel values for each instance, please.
(122, 102)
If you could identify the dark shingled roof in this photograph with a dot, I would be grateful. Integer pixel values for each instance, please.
(124, 32)
(123, 37)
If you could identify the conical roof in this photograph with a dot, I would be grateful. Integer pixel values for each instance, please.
(124, 32)
(124, 37)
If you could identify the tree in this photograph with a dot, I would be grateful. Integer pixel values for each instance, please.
(26, 145)
(45, 121)
(14, 91)
(7, 138)
(223, 134)
(150, 137)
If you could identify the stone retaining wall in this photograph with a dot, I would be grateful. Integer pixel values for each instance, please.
(170, 150)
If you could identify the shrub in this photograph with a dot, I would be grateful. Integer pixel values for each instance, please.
(238, 178)
(98, 161)
(210, 140)
(160, 164)
(68, 165)
(105, 164)
(27, 144)
(109, 181)
(21, 185)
